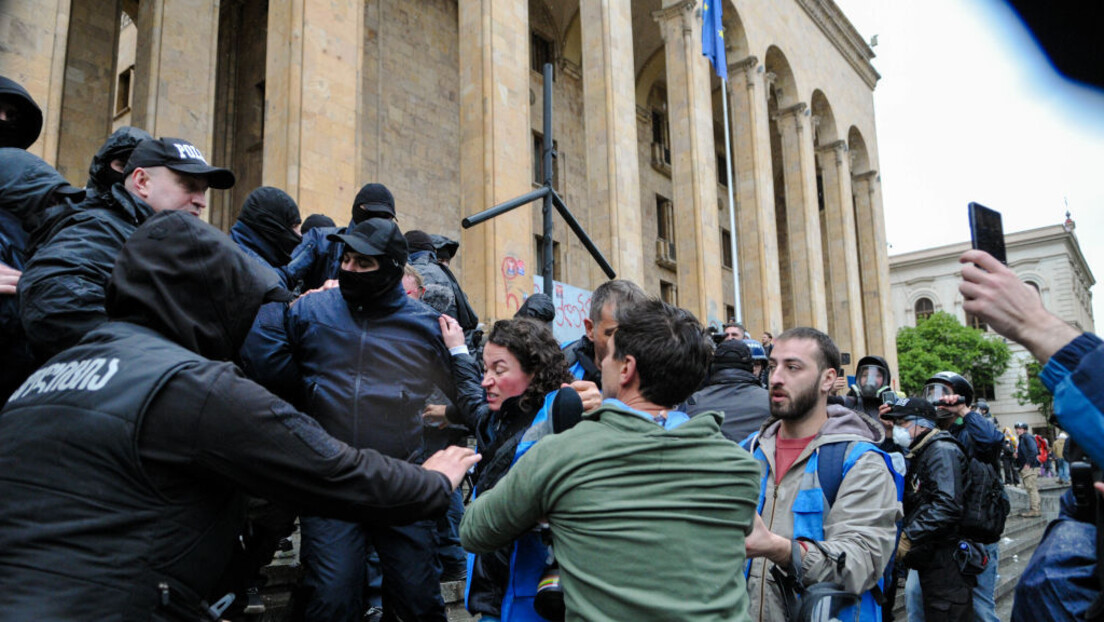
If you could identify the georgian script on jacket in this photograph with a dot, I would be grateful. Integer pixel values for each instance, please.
(86, 375)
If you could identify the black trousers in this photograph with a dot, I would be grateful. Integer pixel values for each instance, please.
(948, 594)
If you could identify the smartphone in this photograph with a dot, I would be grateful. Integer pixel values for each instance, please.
(986, 231)
(889, 397)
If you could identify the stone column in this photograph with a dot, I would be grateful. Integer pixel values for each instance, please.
(760, 291)
(174, 72)
(802, 218)
(88, 104)
(841, 253)
(694, 162)
(881, 336)
(495, 146)
(609, 99)
(35, 35)
(312, 83)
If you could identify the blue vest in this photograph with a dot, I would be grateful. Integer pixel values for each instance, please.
(812, 503)
(530, 555)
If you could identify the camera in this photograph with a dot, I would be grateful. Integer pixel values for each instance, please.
(889, 397)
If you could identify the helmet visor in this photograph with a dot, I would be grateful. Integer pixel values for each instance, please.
(936, 391)
(871, 376)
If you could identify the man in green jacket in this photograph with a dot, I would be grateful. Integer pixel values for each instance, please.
(648, 507)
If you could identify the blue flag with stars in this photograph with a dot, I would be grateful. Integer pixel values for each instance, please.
(713, 37)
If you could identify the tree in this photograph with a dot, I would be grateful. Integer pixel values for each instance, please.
(1031, 390)
(941, 343)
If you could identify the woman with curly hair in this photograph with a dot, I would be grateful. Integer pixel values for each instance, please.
(525, 370)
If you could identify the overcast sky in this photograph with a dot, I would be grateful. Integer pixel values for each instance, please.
(969, 109)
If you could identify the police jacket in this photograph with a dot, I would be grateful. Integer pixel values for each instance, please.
(316, 260)
(363, 375)
(736, 394)
(935, 488)
(125, 458)
(29, 187)
(62, 290)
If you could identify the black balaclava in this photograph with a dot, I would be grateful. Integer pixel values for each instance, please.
(118, 146)
(362, 289)
(23, 130)
(373, 201)
(273, 214)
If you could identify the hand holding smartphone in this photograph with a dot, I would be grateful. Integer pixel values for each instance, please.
(987, 231)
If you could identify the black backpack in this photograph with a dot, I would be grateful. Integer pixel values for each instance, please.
(985, 505)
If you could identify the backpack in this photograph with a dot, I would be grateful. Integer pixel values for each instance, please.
(985, 505)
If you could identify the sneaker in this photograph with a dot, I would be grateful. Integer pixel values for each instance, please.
(374, 614)
(458, 573)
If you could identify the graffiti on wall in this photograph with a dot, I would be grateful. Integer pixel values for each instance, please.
(572, 303)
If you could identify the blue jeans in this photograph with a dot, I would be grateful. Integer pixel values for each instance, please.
(1063, 470)
(985, 609)
(333, 555)
(914, 598)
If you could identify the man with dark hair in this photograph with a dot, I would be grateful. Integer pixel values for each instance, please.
(585, 355)
(1027, 460)
(732, 389)
(62, 289)
(640, 497)
(809, 452)
(735, 330)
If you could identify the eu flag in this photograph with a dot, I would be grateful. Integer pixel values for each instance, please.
(713, 37)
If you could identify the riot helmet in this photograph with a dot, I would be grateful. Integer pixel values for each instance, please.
(947, 383)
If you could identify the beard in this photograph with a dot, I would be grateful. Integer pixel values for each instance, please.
(800, 404)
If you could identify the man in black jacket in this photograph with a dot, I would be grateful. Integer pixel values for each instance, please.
(1027, 461)
(935, 488)
(733, 390)
(62, 289)
(20, 116)
(125, 458)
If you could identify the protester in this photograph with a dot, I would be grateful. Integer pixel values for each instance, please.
(584, 356)
(1060, 458)
(165, 434)
(1073, 370)
(539, 307)
(1008, 459)
(28, 188)
(1027, 460)
(847, 541)
(362, 359)
(414, 286)
(732, 389)
(62, 289)
(316, 220)
(268, 228)
(20, 116)
(735, 330)
(109, 163)
(523, 404)
(647, 507)
(760, 362)
(423, 258)
(934, 495)
(318, 258)
(445, 250)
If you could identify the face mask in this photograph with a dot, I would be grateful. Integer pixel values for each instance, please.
(362, 289)
(9, 133)
(902, 437)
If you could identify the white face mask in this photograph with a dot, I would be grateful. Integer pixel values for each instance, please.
(902, 437)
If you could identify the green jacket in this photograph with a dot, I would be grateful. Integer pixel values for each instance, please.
(647, 523)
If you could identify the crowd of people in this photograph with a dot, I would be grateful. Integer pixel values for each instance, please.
(177, 399)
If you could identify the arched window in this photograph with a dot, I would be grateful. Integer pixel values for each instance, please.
(924, 308)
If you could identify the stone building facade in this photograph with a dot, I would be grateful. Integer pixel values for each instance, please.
(442, 101)
(1047, 258)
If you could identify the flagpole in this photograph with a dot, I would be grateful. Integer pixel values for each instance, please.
(731, 205)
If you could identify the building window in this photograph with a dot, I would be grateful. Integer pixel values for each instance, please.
(668, 292)
(730, 313)
(538, 161)
(924, 309)
(541, 51)
(726, 248)
(984, 392)
(665, 230)
(974, 321)
(661, 139)
(557, 259)
(122, 90)
(722, 162)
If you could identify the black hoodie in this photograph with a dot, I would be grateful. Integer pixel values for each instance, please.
(118, 146)
(22, 131)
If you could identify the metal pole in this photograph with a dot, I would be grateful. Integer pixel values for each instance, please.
(502, 208)
(582, 235)
(546, 210)
(731, 207)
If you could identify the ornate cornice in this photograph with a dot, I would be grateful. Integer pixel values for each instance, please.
(870, 176)
(839, 30)
(832, 146)
(746, 64)
(667, 14)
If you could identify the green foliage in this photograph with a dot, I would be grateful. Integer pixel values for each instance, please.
(940, 343)
(1031, 390)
